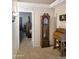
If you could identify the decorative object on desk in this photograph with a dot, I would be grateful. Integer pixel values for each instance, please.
(62, 17)
(45, 30)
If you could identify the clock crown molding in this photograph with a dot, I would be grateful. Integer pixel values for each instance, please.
(46, 15)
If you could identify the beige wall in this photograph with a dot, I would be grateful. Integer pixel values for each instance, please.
(59, 10)
(37, 12)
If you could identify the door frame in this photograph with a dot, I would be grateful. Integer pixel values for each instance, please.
(33, 27)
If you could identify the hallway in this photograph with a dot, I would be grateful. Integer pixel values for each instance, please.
(26, 42)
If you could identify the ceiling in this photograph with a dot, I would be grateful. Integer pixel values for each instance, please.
(38, 1)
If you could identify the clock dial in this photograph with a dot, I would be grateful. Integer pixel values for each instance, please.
(45, 21)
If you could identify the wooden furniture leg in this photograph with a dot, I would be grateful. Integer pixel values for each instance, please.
(54, 43)
(63, 48)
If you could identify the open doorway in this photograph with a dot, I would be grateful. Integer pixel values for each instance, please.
(25, 29)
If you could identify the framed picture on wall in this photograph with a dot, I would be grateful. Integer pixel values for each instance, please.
(62, 17)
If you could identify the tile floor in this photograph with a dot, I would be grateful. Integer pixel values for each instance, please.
(27, 52)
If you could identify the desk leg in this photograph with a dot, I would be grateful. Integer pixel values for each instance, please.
(54, 43)
(62, 49)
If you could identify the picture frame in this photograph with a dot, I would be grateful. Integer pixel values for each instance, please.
(62, 17)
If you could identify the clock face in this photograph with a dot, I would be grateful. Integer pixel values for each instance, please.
(45, 21)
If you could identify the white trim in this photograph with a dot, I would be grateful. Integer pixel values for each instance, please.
(55, 3)
(32, 5)
(33, 24)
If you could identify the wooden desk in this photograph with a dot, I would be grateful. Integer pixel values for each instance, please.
(57, 39)
(60, 41)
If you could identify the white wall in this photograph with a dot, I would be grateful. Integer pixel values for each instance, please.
(15, 32)
(37, 11)
(59, 10)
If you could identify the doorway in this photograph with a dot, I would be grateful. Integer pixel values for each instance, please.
(25, 29)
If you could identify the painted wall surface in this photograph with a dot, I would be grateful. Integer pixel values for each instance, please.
(24, 16)
(15, 28)
(37, 12)
(59, 10)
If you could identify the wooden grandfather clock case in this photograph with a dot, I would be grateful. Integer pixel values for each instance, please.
(45, 30)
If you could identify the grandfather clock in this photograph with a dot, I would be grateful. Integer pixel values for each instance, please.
(45, 30)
